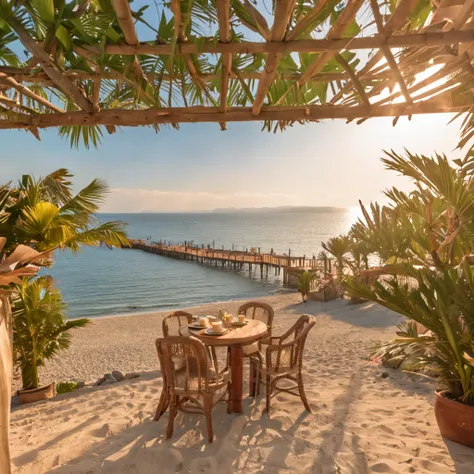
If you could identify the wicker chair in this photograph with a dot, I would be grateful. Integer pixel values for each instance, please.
(174, 322)
(171, 325)
(282, 358)
(194, 388)
(261, 311)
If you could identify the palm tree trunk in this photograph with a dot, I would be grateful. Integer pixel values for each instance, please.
(29, 375)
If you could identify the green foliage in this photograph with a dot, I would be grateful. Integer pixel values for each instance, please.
(43, 213)
(304, 284)
(443, 302)
(40, 328)
(424, 238)
(65, 387)
(338, 247)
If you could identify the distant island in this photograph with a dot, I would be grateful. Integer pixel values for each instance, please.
(288, 209)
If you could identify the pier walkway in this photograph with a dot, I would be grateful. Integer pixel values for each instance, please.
(234, 258)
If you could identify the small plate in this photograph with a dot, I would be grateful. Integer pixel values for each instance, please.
(210, 332)
(196, 326)
(239, 324)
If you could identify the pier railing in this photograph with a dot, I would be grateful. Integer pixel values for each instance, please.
(245, 257)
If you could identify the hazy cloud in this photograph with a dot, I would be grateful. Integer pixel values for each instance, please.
(138, 200)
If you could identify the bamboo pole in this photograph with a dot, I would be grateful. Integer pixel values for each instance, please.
(126, 117)
(49, 67)
(223, 13)
(6, 371)
(388, 53)
(300, 46)
(283, 12)
(22, 75)
(346, 18)
(124, 17)
(24, 90)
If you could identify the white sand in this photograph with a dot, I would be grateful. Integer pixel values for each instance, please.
(361, 423)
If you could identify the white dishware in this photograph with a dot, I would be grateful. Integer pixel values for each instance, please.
(204, 321)
(216, 326)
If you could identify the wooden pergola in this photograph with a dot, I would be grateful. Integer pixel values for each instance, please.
(230, 61)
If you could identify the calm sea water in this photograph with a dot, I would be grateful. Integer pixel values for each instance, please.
(100, 281)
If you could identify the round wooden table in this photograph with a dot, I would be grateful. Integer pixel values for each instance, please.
(235, 339)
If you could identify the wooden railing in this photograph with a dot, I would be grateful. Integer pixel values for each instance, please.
(248, 257)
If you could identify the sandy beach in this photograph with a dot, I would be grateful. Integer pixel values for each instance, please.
(361, 422)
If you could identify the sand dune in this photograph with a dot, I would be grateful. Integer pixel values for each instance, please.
(361, 422)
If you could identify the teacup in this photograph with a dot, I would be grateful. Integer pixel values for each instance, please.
(216, 326)
(204, 321)
(241, 318)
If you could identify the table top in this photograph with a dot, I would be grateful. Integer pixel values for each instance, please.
(236, 336)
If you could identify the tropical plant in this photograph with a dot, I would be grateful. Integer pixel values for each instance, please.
(430, 226)
(66, 387)
(360, 252)
(338, 247)
(40, 328)
(304, 284)
(443, 302)
(44, 214)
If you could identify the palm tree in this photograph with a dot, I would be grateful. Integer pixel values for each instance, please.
(40, 327)
(338, 247)
(304, 284)
(44, 214)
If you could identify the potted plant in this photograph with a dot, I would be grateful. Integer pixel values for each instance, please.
(442, 301)
(40, 331)
(304, 284)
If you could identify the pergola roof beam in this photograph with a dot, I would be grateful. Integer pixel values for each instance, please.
(223, 13)
(283, 12)
(151, 116)
(298, 46)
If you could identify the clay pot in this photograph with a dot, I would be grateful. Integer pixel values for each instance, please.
(455, 420)
(36, 394)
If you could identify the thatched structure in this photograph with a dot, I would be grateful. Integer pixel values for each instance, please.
(230, 60)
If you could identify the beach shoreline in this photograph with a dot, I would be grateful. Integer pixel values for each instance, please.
(168, 310)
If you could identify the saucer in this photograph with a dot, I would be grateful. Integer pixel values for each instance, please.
(239, 324)
(210, 332)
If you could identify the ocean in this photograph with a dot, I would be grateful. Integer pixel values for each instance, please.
(102, 281)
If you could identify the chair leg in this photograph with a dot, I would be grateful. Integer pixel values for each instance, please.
(207, 405)
(257, 378)
(162, 404)
(302, 392)
(252, 378)
(172, 415)
(229, 399)
(268, 392)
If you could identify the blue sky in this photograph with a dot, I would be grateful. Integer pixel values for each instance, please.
(200, 167)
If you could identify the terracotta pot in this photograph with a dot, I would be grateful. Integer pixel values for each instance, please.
(455, 420)
(36, 394)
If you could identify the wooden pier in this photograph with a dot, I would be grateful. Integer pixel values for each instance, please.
(235, 259)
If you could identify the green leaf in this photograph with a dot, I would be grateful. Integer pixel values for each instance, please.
(351, 30)
(63, 35)
(113, 35)
(45, 9)
(287, 63)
